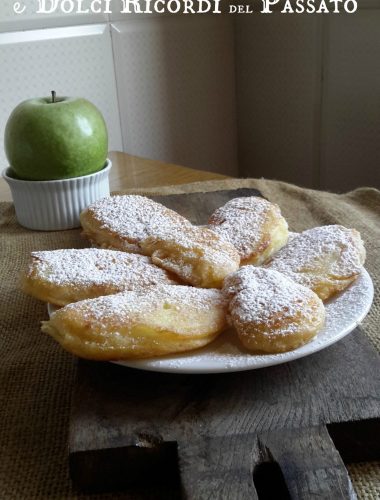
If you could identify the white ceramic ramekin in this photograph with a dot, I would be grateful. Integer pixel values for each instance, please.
(55, 205)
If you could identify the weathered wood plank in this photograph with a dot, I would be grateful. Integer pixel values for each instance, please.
(153, 465)
(218, 468)
(310, 464)
(114, 406)
(333, 385)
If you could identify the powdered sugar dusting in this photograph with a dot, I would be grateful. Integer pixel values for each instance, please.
(200, 242)
(139, 303)
(265, 297)
(240, 222)
(350, 304)
(93, 266)
(133, 217)
(333, 250)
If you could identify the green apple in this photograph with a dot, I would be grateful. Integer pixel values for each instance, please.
(55, 138)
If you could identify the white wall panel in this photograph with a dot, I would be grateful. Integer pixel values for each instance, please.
(351, 102)
(74, 61)
(29, 19)
(175, 78)
(278, 65)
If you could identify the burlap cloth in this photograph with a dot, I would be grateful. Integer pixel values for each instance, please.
(37, 375)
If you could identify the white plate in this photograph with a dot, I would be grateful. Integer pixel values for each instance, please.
(343, 313)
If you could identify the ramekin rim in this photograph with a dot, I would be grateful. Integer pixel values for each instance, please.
(106, 168)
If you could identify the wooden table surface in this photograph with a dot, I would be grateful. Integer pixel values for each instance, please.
(131, 171)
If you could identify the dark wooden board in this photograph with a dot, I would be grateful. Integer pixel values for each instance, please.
(269, 433)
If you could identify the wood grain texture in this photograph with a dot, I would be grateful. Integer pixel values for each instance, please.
(217, 430)
(322, 388)
(217, 468)
(133, 172)
(310, 463)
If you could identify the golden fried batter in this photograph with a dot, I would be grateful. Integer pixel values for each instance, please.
(70, 275)
(139, 324)
(195, 254)
(326, 259)
(270, 312)
(253, 225)
(122, 222)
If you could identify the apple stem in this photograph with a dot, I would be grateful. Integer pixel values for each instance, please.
(53, 94)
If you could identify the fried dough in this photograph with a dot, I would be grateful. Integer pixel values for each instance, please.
(253, 225)
(139, 324)
(325, 259)
(270, 312)
(70, 275)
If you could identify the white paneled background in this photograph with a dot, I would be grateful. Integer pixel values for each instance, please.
(351, 93)
(176, 86)
(278, 93)
(291, 97)
(308, 97)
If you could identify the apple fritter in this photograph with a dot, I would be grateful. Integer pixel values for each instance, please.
(326, 259)
(270, 312)
(122, 222)
(139, 324)
(195, 254)
(70, 275)
(253, 225)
